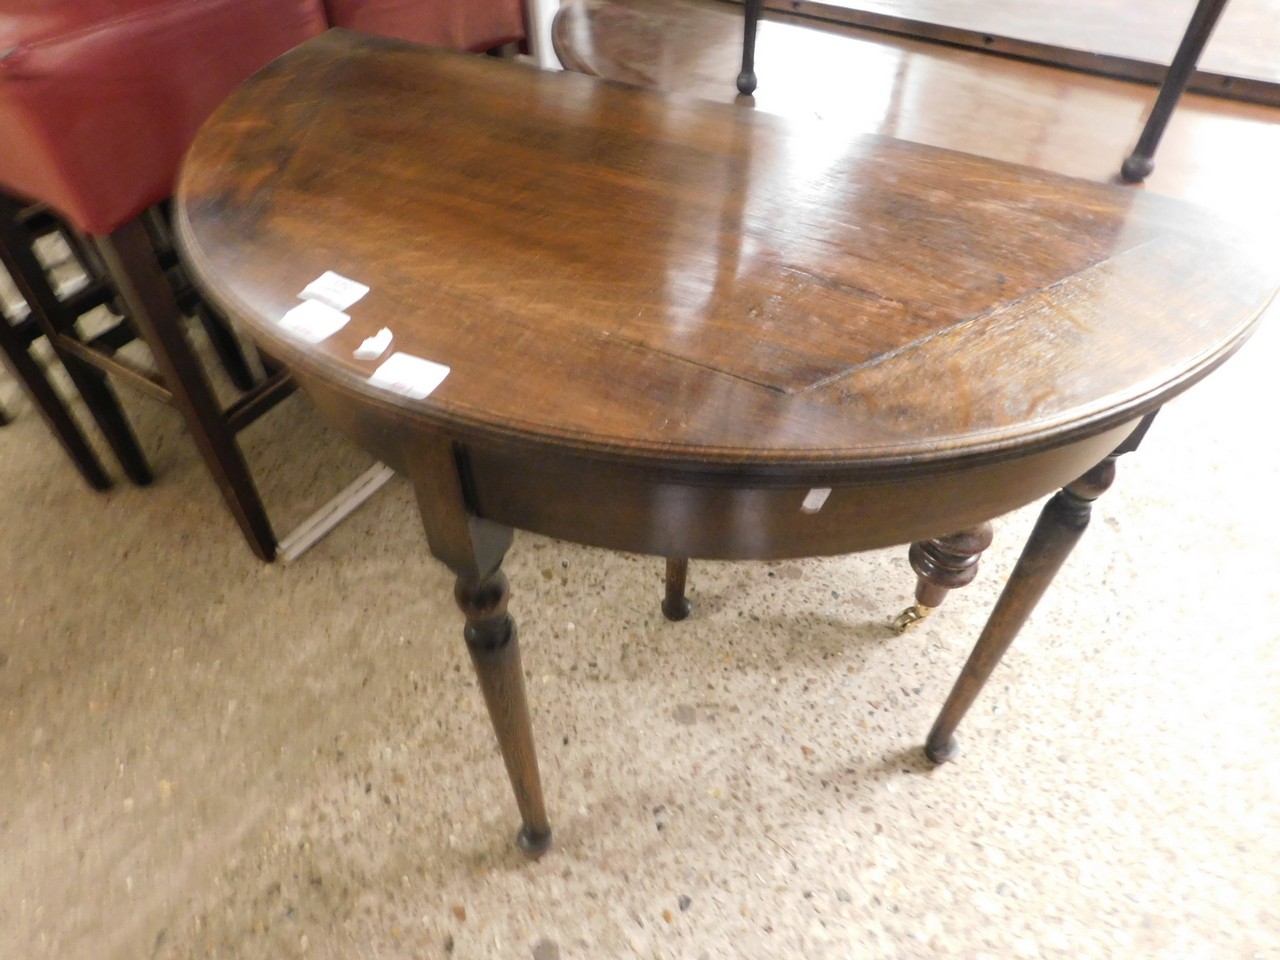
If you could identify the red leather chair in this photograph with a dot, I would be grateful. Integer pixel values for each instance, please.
(475, 25)
(99, 100)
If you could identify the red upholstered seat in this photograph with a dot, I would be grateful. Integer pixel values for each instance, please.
(99, 99)
(458, 24)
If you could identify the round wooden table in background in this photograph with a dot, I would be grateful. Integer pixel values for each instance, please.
(680, 328)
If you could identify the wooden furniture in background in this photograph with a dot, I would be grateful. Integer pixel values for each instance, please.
(20, 330)
(1130, 41)
(679, 328)
(1139, 164)
(98, 103)
(18, 334)
(1173, 81)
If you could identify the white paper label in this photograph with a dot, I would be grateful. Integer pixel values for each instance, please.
(313, 321)
(374, 346)
(334, 289)
(814, 500)
(409, 375)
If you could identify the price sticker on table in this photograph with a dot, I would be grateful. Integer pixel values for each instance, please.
(410, 376)
(313, 321)
(334, 289)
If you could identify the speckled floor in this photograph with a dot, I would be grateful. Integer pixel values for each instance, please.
(202, 756)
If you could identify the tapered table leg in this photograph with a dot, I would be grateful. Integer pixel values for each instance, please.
(675, 605)
(495, 652)
(1060, 526)
(942, 565)
(473, 548)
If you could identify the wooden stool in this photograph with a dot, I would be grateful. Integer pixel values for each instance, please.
(96, 111)
(17, 335)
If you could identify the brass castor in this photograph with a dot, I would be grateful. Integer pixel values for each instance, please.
(910, 617)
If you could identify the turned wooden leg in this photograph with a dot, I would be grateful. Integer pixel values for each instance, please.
(1139, 164)
(1061, 523)
(675, 605)
(750, 19)
(495, 652)
(473, 548)
(942, 565)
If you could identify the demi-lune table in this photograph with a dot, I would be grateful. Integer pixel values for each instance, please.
(679, 328)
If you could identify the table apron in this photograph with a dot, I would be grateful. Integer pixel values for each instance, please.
(722, 518)
(607, 504)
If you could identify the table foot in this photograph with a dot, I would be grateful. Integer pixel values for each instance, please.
(533, 844)
(942, 565)
(1136, 168)
(1062, 521)
(495, 652)
(675, 605)
(910, 618)
(943, 751)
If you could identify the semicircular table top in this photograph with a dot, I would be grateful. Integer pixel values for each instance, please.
(672, 281)
(684, 328)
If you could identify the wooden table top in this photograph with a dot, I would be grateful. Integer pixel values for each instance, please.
(655, 279)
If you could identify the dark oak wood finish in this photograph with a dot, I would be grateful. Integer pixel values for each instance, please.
(675, 605)
(670, 322)
(473, 549)
(1061, 524)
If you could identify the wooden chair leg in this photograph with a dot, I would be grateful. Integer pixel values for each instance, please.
(55, 413)
(158, 224)
(150, 302)
(103, 405)
(227, 348)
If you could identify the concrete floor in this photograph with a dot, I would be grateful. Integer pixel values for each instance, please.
(202, 756)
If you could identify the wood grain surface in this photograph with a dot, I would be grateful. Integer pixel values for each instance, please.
(663, 280)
